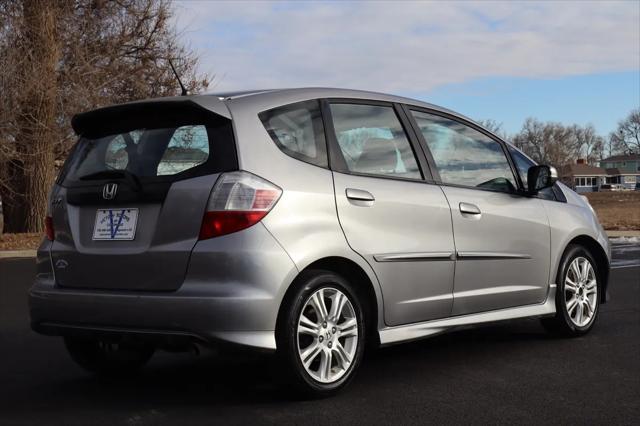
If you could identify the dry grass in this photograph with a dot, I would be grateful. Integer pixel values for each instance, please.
(20, 241)
(617, 210)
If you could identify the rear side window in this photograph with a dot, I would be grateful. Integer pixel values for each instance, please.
(373, 141)
(298, 131)
(162, 145)
(465, 156)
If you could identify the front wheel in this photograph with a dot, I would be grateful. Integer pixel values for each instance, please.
(321, 334)
(577, 294)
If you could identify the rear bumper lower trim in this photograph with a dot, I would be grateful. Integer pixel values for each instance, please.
(263, 340)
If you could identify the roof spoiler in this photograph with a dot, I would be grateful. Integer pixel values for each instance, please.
(120, 114)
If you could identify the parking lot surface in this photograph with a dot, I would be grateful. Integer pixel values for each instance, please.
(505, 373)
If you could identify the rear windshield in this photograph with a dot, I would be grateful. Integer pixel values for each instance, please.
(149, 150)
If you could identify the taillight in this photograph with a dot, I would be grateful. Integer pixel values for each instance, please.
(237, 201)
(48, 228)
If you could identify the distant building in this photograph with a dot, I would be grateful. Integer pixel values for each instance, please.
(582, 177)
(622, 169)
(619, 169)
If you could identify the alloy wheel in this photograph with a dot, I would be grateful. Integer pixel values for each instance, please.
(581, 291)
(327, 335)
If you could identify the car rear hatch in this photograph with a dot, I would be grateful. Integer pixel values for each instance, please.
(128, 204)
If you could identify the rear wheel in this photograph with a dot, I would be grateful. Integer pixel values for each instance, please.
(103, 357)
(321, 334)
(577, 295)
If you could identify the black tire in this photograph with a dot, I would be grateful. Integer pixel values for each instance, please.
(291, 370)
(108, 358)
(562, 322)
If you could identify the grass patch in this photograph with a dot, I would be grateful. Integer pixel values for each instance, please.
(20, 241)
(617, 210)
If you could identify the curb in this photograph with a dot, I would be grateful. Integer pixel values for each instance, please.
(623, 233)
(8, 254)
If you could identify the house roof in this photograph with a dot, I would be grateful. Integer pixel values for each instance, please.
(613, 171)
(628, 157)
(582, 170)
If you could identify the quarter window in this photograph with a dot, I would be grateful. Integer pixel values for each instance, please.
(373, 142)
(522, 164)
(465, 156)
(298, 131)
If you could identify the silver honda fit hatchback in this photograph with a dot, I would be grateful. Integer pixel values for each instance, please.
(308, 222)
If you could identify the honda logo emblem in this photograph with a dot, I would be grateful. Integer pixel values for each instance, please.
(109, 191)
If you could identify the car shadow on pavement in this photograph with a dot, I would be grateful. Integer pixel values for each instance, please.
(211, 379)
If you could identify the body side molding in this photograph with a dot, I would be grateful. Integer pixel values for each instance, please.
(391, 335)
(461, 255)
(489, 255)
(413, 257)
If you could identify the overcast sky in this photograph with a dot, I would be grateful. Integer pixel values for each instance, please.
(574, 61)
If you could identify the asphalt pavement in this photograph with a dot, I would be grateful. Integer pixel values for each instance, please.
(509, 373)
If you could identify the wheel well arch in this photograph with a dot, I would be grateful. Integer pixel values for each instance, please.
(600, 257)
(353, 273)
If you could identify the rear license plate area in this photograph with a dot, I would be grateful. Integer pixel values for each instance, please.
(115, 224)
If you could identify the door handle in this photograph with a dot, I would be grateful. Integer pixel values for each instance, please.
(468, 208)
(359, 195)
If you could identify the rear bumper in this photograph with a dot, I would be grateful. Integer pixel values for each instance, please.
(232, 293)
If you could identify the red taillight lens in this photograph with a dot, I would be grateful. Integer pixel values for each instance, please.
(237, 201)
(221, 223)
(48, 228)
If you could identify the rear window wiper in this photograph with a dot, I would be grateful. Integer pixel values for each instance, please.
(133, 180)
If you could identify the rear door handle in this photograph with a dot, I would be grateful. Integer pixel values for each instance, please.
(468, 208)
(359, 195)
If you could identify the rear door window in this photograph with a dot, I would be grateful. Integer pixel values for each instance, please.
(373, 141)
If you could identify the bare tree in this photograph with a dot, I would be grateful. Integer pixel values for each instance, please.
(547, 143)
(590, 145)
(59, 58)
(609, 148)
(626, 138)
(493, 126)
(40, 52)
(555, 144)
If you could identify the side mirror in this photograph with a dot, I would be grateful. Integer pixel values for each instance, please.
(541, 177)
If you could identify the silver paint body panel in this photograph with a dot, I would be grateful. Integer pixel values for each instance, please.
(405, 218)
(429, 265)
(503, 252)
